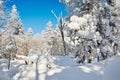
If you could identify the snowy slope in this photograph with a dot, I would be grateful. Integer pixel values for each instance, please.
(62, 71)
(112, 70)
(85, 72)
(6, 74)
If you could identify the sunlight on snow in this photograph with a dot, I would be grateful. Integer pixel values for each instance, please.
(96, 68)
(85, 69)
(54, 71)
(42, 76)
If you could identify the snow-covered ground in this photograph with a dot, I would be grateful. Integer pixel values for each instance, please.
(65, 69)
(112, 70)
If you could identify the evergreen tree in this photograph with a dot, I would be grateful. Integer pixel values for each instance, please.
(14, 29)
(47, 37)
(14, 25)
(91, 32)
(30, 32)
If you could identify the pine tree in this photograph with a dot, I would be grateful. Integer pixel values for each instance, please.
(14, 29)
(47, 37)
(30, 32)
(92, 31)
(14, 25)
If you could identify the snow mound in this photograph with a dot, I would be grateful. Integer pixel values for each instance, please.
(112, 70)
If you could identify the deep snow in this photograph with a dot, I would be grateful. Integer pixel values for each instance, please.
(112, 70)
(65, 68)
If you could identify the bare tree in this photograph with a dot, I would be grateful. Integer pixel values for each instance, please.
(61, 28)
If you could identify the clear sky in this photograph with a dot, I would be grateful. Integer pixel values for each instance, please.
(36, 13)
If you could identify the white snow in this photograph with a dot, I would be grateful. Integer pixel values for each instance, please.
(65, 68)
(13, 12)
(112, 70)
(76, 22)
(66, 61)
(83, 72)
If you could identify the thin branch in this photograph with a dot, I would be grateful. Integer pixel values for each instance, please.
(55, 15)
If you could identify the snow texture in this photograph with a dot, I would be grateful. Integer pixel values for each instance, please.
(112, 70)
(66, 69)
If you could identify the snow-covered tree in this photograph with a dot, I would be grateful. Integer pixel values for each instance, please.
(2, 22)
(27, 41)
(89, 31)
(10, 49)
(57, 47)
(2, 15)
(30, 32)
(36, 42)
(115, 25)
(46, 37)
(14, 25)
(51, 41)
(49, 25)
(14, 29)
(72, 7)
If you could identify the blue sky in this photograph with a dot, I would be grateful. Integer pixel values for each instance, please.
(36, 13)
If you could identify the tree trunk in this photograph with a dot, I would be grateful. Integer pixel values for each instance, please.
(62, 34)
(9, 59)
